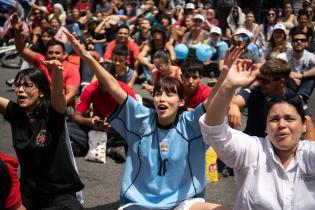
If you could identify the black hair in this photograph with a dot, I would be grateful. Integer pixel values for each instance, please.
(123, 26)
(276, 68)
(298, 32)
(291, 99)
(54, 42)
(49, 31)
(192, 65)
(5, 184)
(121, 49)
(164, 55)
(302, 13)
(40, 80)
(171, 85)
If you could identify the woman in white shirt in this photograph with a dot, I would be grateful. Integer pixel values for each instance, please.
(276, 172)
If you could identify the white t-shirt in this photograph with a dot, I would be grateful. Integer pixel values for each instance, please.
(306, 62)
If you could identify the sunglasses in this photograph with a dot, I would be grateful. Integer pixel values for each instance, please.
(264, 80)
(301, 40)
(271, 14)
(239, 38)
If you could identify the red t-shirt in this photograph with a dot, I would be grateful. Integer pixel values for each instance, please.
(83, 6)
(14, 199)
(103, 103)
(133, 51)
(201, 96)
(71, 74)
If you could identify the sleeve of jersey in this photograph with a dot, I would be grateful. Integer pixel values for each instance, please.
(14, 199)
(245, 94)
(191, 128)
(131, 120)
(109, 52)
(10, 111)
(84, 101)
(37, 61)
(234, 148)
(73, 76)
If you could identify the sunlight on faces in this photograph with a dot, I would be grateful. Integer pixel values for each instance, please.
(269, 85)
(167, 99)
(284, 126)
(299, 42)
(122, 35)
(278, 35)
(191, 82)
(28, 94)
(55, 52)
(162, 67)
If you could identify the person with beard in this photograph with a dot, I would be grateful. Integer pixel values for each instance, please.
(302, 63)
(55, 51)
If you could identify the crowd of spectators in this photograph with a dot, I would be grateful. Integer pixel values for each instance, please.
(136, 42)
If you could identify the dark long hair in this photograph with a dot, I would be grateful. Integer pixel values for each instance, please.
(40, 80)
(5, 184)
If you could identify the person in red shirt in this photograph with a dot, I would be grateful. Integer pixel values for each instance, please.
(55, 51)
(83, 5)
(10, 196)
(103, 105)
(195, 92)
(123, 38)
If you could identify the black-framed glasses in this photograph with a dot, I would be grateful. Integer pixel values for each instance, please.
(27, 86)
(264, 80)
(297, 40)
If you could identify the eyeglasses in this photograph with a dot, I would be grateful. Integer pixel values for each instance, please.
(271, 14)
(264, 80)
(301, 40)
(27, 86)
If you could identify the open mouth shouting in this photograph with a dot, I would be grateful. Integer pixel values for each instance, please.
(162, 107)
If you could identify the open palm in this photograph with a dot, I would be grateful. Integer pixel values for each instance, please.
(241, 73)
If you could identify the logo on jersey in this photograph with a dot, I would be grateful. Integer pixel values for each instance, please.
(42, 138)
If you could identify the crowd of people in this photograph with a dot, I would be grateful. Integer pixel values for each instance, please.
(75, 97)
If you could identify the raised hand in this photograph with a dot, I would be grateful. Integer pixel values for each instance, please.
(16, 22)
(76, 46)
(241, 73)
(54, 65)
(231, 56)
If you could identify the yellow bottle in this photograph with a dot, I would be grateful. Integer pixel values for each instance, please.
(211, 165)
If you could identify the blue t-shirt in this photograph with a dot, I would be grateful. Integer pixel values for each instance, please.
(164, 166)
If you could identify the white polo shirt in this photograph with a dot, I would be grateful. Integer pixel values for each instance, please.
(261, 179)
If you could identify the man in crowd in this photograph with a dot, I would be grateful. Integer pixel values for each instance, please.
(272, 82)
(55, 50)
(123, 38)
(302, 65)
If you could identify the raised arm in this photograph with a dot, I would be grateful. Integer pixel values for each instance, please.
(58, 99)
(25, 52)
(103, 76)
(240, 73)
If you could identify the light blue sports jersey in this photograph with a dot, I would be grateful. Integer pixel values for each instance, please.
(164, 166)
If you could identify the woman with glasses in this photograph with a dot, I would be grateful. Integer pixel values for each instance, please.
(275, 172)
(267, 27)
(48, 177)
